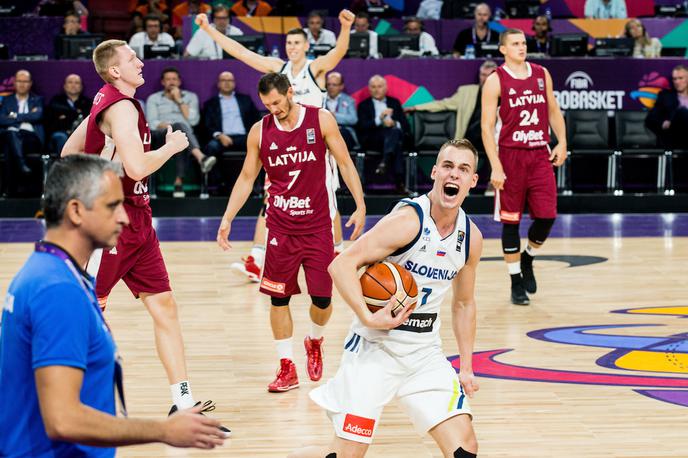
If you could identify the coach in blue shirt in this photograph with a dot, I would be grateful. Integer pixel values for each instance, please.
(57, 357)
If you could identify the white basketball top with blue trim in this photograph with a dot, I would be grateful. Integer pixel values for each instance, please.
(434, 262)
(306, 90)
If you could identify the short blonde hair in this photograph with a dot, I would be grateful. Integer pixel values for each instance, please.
(103, 55)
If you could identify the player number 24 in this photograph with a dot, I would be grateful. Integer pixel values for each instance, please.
(528, 118)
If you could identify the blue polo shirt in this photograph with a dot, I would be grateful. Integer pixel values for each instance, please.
(49, 319)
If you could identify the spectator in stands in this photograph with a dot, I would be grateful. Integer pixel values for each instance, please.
(156, 7)
(202, 46)
(20, 122)
(362, 25)
(374, 8)
(65, 112)
(151, 36)
(479, 33)
(383, 126)
(190, 7)
(227, 117)
(645, 46)
(60, 7)
(70, 27)
(540, 42)
(178, 108)
(317, 35)
(136, 24)
(251, 8)
(426, 43)
(429, 9)
(466, 102)
(668, 119)
(605, 9)
(343, 107)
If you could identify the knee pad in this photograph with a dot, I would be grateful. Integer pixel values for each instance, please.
(511, 240)
(461, 453)
(539, 230)
(280, 301)
(321, 302)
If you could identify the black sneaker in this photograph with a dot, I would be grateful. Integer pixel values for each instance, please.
(528, 276)
(208, 406)
(518, 294)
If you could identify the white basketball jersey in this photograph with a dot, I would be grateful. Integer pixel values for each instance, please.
(434, 262)
(306, 90)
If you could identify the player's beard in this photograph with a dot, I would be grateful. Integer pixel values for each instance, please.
(290, 105)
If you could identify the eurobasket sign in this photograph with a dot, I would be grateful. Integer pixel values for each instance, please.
(580, 93)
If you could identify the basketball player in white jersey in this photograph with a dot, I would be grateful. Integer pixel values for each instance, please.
(387, 357)
(307, 77)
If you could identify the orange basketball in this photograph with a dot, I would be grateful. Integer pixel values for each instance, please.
(386, 279)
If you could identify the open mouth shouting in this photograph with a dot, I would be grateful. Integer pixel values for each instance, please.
(450, 189)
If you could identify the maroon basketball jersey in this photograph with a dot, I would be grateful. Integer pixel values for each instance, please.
(299, 198)
(523, 109)
(135, 192)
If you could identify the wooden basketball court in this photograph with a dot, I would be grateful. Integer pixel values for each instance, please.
(231, 356)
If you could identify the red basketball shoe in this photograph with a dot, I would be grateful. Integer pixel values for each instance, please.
(286, 377)
(314, 353)
(248, 267)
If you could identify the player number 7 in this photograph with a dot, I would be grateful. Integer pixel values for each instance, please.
(426, 293)
(295, 175)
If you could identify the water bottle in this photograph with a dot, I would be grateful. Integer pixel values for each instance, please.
(548, 15)
(260, 50)
(275, 51)
(470, 52)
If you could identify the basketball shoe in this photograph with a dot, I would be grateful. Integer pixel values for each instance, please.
(518, 292)
(528, 274)
(286, 377)
(247, 267)
(208, 406)
(314, 364)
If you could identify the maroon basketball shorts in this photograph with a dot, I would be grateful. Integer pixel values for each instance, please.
(285, 254)
(529, 178)
(136, 259)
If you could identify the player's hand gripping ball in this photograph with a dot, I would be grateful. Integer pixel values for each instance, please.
(384, 280)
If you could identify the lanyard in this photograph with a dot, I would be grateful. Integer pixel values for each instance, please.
(487, 37)
(87, 284)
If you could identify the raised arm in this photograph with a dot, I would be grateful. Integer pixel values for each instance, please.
(488, 121)
(329, 61)
(76, 143)
(556, 120)
(263, 64)
(243, 186)
(464, 312)
(120, 121)
(337, 147)
(392, 232)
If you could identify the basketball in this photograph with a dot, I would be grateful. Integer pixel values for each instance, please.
(386, 279)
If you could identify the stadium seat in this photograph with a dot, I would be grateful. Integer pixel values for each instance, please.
(635, 141)
(431, 131)
(588, 134)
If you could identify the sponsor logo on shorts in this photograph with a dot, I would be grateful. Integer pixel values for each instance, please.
(418, 322)
(140, 188)
(359, 426)
(273, 286)
(510, 216)
(273, 242)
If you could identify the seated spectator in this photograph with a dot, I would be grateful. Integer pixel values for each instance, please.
(374, 8)
(70, 27)
(151, 36)
(136, 24)
(605, 9)
(251, 8)
(541, 40)
(644, 45)
(426, 43)
(227, 117)
(383, 126)
(362, 25)
(668, 119)
(179, 109)
(60, 8)
(65, 112)
(155, 7)
(343, 107)
(202, 46)
(188, 8)
(479, 33)
(429, 9)
(315, 32)
(21, 115)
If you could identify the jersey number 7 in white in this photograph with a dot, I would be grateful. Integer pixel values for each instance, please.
(295, 175)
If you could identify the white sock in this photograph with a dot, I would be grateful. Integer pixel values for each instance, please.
(285, 348)
(317, 331)
(514, 267)
(258, 253)
(181, 395)
(339, 247)
(531, 250)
